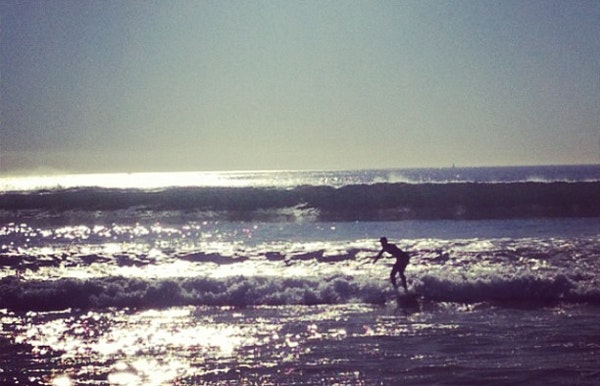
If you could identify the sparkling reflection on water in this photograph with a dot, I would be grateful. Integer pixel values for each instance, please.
(345, 344)
(154, 347)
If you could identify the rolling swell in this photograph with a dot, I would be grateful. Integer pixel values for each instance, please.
(374, 202)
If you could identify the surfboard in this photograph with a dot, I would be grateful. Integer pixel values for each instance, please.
(409, 300)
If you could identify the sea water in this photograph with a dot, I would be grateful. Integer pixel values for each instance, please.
(267, 278)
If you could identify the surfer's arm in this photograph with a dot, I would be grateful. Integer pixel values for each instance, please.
(378, 256)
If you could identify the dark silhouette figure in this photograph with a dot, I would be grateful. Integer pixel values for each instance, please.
(400, 264)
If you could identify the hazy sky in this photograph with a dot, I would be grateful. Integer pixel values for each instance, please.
(219, 85)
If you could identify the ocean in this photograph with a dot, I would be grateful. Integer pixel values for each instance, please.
(267, 277)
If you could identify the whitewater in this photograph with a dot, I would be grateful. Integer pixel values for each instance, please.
(267, 277)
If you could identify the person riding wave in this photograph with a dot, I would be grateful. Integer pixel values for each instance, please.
(402, 259)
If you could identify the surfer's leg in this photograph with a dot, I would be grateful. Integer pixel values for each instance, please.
(401, 272)
(393, 277)
(403, 281)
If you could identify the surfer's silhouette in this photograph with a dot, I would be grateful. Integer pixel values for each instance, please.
(400, 264)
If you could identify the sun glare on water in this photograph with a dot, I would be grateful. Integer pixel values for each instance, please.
(135, 341)
(123, 180)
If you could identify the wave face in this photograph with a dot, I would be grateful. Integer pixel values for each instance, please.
(375, 202)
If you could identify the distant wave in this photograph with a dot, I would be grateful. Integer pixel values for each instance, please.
(372, 202)
(294, 178)
(250, 291)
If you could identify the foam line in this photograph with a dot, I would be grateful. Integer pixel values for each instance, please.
(248, 291)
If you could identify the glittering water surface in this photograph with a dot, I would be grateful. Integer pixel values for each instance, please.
(140, 283)
(346, 344)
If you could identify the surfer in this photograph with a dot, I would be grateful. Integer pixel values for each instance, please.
(400, 264)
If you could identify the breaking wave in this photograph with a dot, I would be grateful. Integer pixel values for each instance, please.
(252, 291)
(373, 202)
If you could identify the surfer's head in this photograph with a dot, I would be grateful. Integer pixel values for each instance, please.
(383, 240)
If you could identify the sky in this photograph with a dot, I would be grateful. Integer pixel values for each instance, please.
(124, 86)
